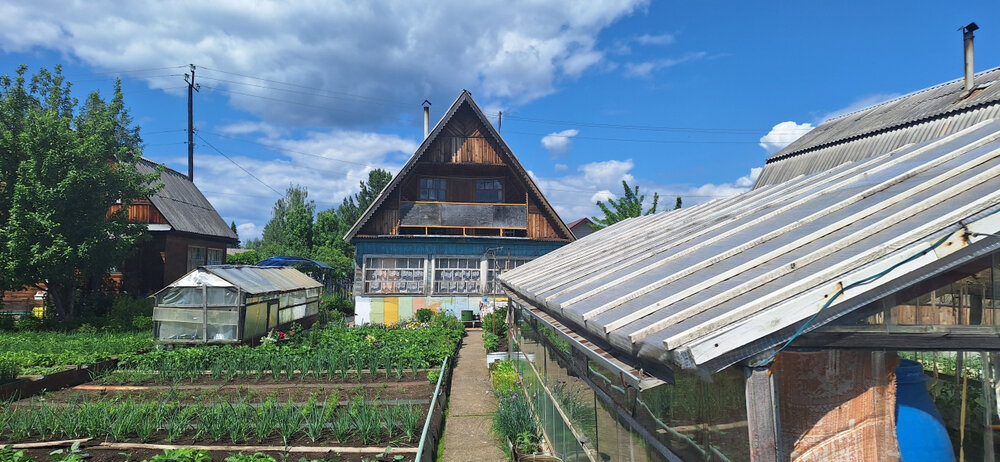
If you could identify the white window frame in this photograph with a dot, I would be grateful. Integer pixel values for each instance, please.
(436, 283)
(493, 273)
(392, 277)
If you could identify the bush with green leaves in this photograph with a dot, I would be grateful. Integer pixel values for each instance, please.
(332, 303)
(9, 454)
(424, 315)
(504, 377)
(491, 342)
(496, 322)
(9, 370)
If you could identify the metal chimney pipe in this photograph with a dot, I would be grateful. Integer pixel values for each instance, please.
(969, 68)
(427, 118)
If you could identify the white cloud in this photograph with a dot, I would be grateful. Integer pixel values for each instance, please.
(369, 59)
(560, 167)
(248, 127)
(559, 142)
(645, 68)
(662, 39)
(782, 135)
(329, 164)
(575, 195)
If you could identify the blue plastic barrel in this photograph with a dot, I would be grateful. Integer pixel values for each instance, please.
(919, 428)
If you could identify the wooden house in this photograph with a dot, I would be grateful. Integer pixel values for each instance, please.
(461, 211)
(581, 227)
(185, 232)
(769, 325)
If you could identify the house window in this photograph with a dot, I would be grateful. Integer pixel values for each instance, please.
(497, 266)
(489, 191)
(215, 256)
(433, 189)
(196, 257)
(394, 275)
(456, 276)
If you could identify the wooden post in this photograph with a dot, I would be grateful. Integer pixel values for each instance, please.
(762, 414)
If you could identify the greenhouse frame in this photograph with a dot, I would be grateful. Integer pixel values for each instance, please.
(233, 304)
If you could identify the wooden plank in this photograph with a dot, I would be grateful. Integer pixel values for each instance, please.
(292, 449)
(781, 231)
(49, 444)
(899, 341)
(814, 256)
(762, 415)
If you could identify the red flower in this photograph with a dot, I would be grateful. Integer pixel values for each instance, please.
(281, 335)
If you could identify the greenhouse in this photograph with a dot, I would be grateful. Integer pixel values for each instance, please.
(233, 304)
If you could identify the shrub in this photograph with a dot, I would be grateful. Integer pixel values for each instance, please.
(491, 342)
(142, 322)
(9, 369)
(250, 257)
(504, 378)
(433, 375)
(6, 322)
(333, 304)
(425, 314)
(496, 322)
(29, 323)
(125, 308)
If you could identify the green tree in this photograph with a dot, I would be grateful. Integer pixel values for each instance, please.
(677, 205)
(232, 226)
(290, 230)
(67, 177)
(249, 257)
(630, 205)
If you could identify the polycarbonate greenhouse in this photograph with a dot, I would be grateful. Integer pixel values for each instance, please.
(233, 304)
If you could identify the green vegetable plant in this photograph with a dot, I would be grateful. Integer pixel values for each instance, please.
(9, 454)
(182, 455)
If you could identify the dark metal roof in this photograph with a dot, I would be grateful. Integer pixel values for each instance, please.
(920, 116)
(184, 206)
(504, 152)
(292, 261)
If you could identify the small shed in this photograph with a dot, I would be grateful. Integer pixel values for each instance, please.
(233, 304)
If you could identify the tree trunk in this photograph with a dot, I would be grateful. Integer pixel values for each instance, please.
(61, 297)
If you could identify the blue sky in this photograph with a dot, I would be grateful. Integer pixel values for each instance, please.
(682, 98)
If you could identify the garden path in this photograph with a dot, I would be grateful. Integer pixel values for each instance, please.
(467, 434)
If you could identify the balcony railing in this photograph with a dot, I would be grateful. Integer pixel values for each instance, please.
(463, 215)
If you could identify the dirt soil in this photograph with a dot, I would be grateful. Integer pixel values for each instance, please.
(138, 455)
(200, 392)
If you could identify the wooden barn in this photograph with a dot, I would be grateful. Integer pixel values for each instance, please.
(461, 211)
(771, 325)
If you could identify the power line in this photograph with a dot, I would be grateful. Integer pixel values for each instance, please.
(282, 149)
(352, 95)
(238, 165)
(325, 108)
(312, 93)
(634, 140)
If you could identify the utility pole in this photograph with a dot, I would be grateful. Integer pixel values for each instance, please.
(192, 87)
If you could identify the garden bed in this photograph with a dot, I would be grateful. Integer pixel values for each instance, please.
(336, 391)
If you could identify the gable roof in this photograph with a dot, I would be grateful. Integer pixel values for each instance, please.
(504, 152)
(707, 286)
(184, 206)
(579, 222)
(919, 116)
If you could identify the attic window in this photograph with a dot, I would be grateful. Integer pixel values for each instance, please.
(489, 191)
(433, 189)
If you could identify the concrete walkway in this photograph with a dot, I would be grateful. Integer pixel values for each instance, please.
(467, 434)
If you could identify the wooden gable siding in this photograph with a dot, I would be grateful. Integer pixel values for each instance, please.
(539, 227)
(142, 212)
(462, 142)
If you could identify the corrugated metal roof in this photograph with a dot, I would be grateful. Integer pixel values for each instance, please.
(920, 116)
(504, 152)
(251, 279)
(184, 206)
(706, 286)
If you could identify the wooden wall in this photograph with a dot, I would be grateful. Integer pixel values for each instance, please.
(461, 154)
(142, 212)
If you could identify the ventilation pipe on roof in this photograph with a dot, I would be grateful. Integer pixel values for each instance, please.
(969, 69)
(427, 118)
